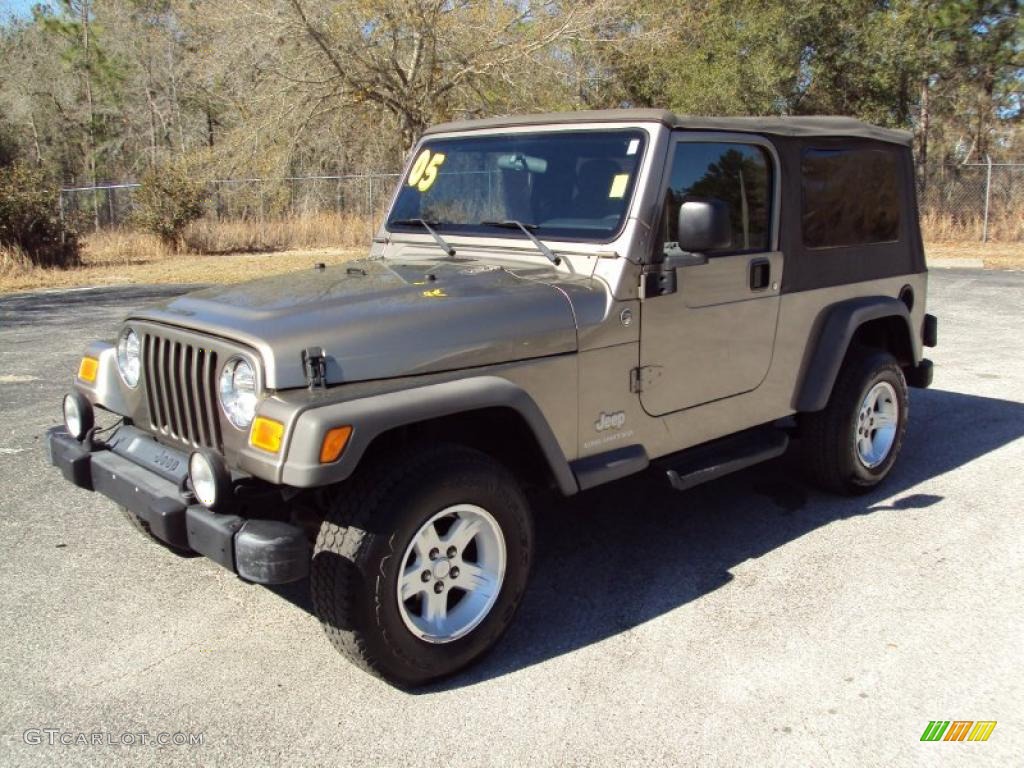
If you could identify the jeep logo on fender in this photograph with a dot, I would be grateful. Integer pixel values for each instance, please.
(610, 421)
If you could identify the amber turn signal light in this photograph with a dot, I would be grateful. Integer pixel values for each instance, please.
(88, 369)
(334, 443)
(266, 434)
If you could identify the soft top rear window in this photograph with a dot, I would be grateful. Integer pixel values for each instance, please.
(850, 197)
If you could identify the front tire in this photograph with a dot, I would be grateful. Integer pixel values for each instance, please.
(851, 445)
(142, 527)
(421, 562)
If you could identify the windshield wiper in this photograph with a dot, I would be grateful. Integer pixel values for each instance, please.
(427, 226)
(513, 224)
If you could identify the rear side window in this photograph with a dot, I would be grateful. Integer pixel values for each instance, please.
(850, 197)
(737, 174)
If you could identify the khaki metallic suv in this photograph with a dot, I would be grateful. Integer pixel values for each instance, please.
(554, 301)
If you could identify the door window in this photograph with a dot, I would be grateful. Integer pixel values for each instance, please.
(739, 175)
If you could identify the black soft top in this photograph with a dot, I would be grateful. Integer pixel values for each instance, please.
(778, 126)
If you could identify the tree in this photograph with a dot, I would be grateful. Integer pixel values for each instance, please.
(419, 62)
(976, 73)
(167, 202)
(30, 225)
(106, 89)
(89, 64)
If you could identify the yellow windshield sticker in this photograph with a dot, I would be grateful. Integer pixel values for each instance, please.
(419, 167)
(618, 190)
(424, 171)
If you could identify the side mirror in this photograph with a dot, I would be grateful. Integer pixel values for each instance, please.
(704, 225)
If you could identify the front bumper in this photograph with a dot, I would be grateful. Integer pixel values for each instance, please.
(261, 551)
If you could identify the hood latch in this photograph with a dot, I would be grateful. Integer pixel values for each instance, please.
(314, 364)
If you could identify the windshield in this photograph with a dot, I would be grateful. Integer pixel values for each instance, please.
(563, 186)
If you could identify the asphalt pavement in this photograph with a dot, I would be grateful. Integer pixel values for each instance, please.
(752, 621)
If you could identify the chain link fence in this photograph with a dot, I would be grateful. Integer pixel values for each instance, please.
(107, 206)
(976, 201)
(957, 203)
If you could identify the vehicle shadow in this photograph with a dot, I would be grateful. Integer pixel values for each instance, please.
(615, 557)
(40, 308)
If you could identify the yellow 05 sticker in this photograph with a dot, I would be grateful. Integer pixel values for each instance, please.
(424, 170)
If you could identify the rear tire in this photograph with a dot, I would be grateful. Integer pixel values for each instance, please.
(851, 445)
(447, 526)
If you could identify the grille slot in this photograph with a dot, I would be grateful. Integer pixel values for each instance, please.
(181, 391)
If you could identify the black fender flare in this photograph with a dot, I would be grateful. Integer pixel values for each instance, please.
(838, 327)
(372, 416)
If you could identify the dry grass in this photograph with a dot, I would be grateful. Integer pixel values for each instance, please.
(323, 230)
(122, 246)
(12, 260)
(214, 238)
(1007, 227)
(179, 268)
(219, 252)
(232, 251)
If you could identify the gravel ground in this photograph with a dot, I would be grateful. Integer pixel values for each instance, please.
(751, 621)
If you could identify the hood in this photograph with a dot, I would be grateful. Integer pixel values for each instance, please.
(380, 319)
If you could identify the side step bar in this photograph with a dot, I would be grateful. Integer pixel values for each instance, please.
(712, 460)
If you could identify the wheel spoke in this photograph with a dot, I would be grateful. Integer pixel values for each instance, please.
(426, 541)
(412, 582)
(884, 419)
(462, 532)
(473, 578)
(866, 447)
(435, 609)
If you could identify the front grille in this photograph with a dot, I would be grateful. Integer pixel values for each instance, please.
(181, 391)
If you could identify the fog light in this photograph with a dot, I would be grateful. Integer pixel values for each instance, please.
(78, 417)
(210, 480)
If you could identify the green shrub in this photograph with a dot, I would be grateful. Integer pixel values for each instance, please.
(167, 202)
(30, 222)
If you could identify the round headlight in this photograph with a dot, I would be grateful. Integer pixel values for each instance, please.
(128, 362)
(78, 417)
(238, 392)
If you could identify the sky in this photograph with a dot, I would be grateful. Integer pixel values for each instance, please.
(17, 7)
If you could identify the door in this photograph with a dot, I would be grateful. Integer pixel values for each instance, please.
(712, 337)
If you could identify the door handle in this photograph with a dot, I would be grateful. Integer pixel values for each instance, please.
(760, 274)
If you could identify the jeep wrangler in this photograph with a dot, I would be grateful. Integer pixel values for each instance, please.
(553, 301)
